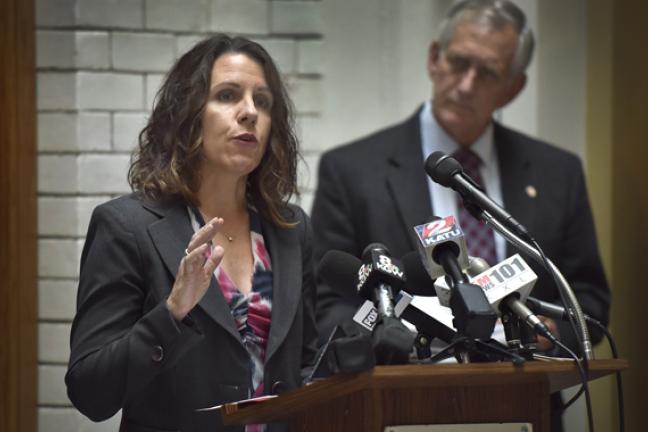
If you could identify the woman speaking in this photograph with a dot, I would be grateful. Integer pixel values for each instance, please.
(197, 288)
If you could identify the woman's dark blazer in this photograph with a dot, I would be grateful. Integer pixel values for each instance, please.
(128, 352)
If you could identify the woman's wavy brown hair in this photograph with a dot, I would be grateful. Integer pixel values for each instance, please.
(165, 164)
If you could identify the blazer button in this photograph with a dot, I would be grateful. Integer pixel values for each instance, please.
(278, 387)
(158, 354)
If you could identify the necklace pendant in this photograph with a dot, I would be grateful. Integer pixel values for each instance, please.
(230, 239)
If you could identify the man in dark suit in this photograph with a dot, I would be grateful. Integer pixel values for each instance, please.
(376, 190)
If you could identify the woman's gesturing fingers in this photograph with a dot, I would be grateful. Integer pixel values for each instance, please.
(204, 234)
(196, 270)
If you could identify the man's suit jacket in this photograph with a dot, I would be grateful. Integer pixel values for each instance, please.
(375, 190)
(128, 352)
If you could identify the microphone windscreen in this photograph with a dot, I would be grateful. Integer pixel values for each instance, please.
(417, 279)
(441, 167)
(379, 247)
(339, 270)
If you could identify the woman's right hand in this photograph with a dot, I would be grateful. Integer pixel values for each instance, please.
(196, 270)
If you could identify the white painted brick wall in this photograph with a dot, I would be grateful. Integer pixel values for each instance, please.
(51, 387)
(100, 64)
(92, 49)
(185, 42)
(184, 15)
(70, 420)
(307, 172)
(54, 342)
(126, 129)
(307, 94)
(143, 52)
(310, 55)
(54, 48)
(153, 84)
(312, 133)
(241, 16)
(282, 52)
(58, 258)
(73, 132)
(56, 90)
(57, 299)
(57, 132)
(57, 174)
(110, 91)
(66, 216)
(296, 17)
(69, 49)
(101, 174)
(93, 131)
(57, 216)
(55, 13)
(111, 13)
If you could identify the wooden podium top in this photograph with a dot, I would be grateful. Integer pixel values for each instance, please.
(557, 374)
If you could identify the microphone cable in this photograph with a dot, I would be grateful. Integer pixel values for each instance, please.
(584, 387)
(619, 382)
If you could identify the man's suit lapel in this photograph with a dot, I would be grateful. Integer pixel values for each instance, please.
(516, 178)
(406, 179)
(285, 253)
(171, 235)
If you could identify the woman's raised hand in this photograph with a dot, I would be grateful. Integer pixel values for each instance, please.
(196, 270)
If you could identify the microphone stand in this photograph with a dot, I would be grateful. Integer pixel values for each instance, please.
(566, 293)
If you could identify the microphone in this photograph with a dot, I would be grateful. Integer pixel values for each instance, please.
(551, 310)
(380, 277)
(440, 238)
(447, 171)
(417, 280)
(377, 278)
(476, 265)
(507, 286)
(442, 248)
(339, 270)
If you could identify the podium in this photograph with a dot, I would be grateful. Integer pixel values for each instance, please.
(422, 394)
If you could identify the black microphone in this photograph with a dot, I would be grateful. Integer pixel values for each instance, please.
(447, 171)
(380, 278)
(551, 310)
(339, 270)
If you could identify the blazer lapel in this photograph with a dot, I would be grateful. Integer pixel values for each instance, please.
(407, 181)
(516, 179)
(171, 235)
(285, 253)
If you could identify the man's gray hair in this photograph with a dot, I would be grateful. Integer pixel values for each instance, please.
(496, 14)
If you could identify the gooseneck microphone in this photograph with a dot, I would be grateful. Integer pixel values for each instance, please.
(447, 171)
(551, 310)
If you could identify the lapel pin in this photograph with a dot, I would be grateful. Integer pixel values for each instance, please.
(531, 191)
